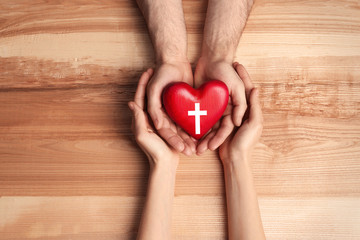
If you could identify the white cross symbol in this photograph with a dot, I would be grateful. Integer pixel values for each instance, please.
(197, 113)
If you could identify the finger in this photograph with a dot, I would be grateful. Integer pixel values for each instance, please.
(150, 71)
(203, 145)
(245, 77)
(239, 104)
(141, 88)
(187, 151)
(172, 139)
(139, 119)
(255, 107)
(168, 123)
(154, 92)
(132, 118)
(190, 143)
(222, 133)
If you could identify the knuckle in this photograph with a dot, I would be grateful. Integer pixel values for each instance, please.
(173, 139)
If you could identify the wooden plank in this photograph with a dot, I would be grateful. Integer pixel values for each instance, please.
(55, 141)
(114, 167)
(69, 68)
(204, 217)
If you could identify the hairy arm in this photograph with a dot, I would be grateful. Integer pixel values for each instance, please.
(225, 21)
(166, 24)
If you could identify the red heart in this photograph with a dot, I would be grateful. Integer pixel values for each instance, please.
(205, 105)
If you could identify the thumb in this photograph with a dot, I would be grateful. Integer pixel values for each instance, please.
(255, 107)
(239, 104)
(139, 121)
(154, 107)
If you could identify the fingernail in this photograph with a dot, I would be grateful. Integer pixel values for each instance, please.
(180, 147)
(201, 150)
(187, 152)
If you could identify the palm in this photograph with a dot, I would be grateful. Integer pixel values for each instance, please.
(236, 143)
(154, 147)
(168, 73)
(153, 143)
(219, 70)
(225, 72)
(164, 75)
(243, 140)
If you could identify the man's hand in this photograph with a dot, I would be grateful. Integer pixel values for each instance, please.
(237, 103)
(225, 21)
(166, 24)
(165, 74)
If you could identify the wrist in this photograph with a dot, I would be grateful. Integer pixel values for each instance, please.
(218, 54)
(212, 63)
(170, 57)
(240, 160)
(237, 168)
(166, 167)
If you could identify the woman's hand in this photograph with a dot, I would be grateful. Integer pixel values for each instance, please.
(244, 220)
(157, 151)
(240, 143)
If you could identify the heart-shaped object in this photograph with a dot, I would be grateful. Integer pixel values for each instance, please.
(196, 110)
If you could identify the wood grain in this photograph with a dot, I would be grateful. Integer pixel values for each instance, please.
(113, 217)
(70, 169)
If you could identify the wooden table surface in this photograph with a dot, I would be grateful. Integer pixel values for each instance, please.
(70, 169)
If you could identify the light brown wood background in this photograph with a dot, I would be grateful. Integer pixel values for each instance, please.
(69, 168)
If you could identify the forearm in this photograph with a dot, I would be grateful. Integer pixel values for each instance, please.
(225, 21)
(166, 24)
(244, 220)
(156, 218)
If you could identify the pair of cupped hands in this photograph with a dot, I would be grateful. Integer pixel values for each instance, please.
(236, 133)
